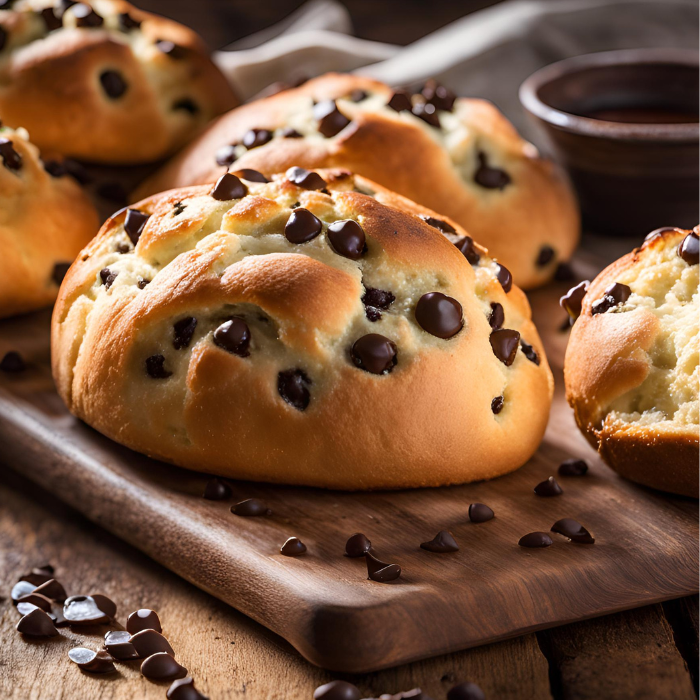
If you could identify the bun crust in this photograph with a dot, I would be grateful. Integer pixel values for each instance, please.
(46, 220)
(106, 93)
(298, 402)
(631, 371)
(524, 211)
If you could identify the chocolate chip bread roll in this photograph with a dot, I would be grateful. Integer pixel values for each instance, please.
(316, 329)
(460, 157)
(46, 220)
(103, 81)
(632, 362)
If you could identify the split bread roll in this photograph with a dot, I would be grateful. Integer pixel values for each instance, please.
(46, 219)
(103, 81)
(316, 330)
(631, 365)
(460, 157)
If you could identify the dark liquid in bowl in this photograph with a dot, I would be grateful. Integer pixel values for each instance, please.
(644, 115)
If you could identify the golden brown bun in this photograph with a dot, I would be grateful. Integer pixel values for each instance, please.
(427, 422)
(46, 220)
(632, 371)
(51, 82)
(436, 167)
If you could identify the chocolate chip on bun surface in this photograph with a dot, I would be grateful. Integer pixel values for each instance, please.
(631, 366)
(348, 347)
(104, 81)
(457, 156)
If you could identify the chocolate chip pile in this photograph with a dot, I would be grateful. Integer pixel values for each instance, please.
(44, 606)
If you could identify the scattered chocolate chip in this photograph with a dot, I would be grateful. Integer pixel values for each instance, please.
(226, 155)
(21, 589)
(614, 295)
(535, 539)
(293, 547)
(170, 49)
(36, 599)
(573, 467)
(162, 666)
(545, 256)
(347, 238)
(442, 542)
(550, 487)
(155, 367)
(12, 362)
(107, 276)
(37, 624)
(183, 689)
(85, 16)
(256, 137)
(227, 187)
(438, 95)
(331, 120)
(689, 250)
(141, 284)
(52, 589)
(251, 507)
(302, 226)
(504, 277)
(24, 608)
(113, 83)
(374, 353)
(179, 208)
(127, 22)
(250, 175)
(290, 133)
(427, 112)
(50, 20)
(466, 691)
(10, 158)
(183, 331)
(573, 530)
(216, 490)
(92, 661)
(39, 575)
(381, 571)
(497, 316)
(118, 644)
(337, 690)
(490, 178)
(233, 336)
(376, 301)
(497, 405)
(465, 245)
(306, 179)
(439, 315)
(440, 225)
(105, 604)
(504, 343)
(357, 545)
(186, 104)
(292, 385)
(530, 352)
(134, 223)
(400, 101)
(143, 619)
(564, 272)
(358, 95)
(571, 302)
(480, 513)
(148, 642)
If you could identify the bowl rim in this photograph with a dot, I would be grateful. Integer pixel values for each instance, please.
(600, 128)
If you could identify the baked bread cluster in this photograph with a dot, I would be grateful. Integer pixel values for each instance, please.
(460, 157)
(46, 220)
(103, 81)
(632, 362)
(315, 329)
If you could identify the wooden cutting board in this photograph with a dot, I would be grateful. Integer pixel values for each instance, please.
(646, 546)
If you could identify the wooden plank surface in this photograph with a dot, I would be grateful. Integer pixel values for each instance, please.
(646, 549)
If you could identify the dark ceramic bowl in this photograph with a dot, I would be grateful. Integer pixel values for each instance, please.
(625, 126)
